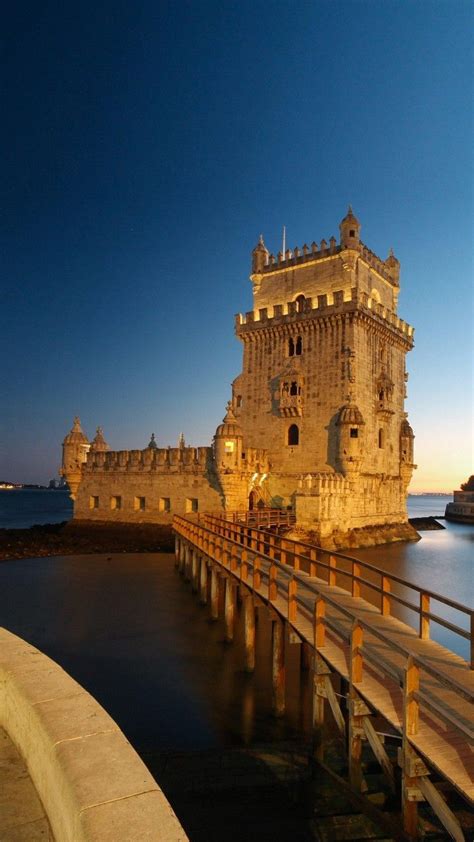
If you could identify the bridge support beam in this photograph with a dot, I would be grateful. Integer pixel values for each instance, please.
(177, 549)
(249, 631)
(194, 570)
(203, 581)
(214, 593)
(278, 666)
(229, 609)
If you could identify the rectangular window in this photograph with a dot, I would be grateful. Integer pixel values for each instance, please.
(191, 504)
(115, 503)
(93, 502)
(139, 504)
(164, 504)
(229, 447)
(354, 433)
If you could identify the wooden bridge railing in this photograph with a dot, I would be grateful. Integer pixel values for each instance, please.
(411, 681)
(349, 573)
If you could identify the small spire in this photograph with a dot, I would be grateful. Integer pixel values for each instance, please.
(181, 442)
(260, 241)
(152, 443)
(77, 424)
(229, 412)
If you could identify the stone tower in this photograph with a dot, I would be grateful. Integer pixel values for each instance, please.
(323, 382)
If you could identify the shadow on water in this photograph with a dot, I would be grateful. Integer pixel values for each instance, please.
(129, 630)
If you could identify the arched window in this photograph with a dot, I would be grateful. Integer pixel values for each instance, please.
(291, 347)
(298, 346)
(300, 303)
(293, 435)
(294, 388)
(381, 437)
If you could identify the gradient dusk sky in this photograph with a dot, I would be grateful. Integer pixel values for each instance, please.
(146, 145)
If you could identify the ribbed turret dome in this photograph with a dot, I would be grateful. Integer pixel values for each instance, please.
(350, 217)
(392, 260)
(230, 427)
(350, 414)
(76, 436)
(406, 430)
(99, 444)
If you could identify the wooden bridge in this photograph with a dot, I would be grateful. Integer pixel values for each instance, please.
(389, 667)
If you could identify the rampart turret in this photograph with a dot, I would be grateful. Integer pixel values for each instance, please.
(75, 449)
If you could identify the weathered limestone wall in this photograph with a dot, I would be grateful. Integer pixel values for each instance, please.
(145, 496)
(93, 785)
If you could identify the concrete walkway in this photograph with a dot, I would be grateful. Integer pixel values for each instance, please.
(22, 817)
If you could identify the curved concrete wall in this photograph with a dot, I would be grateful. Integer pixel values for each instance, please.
(91, 781)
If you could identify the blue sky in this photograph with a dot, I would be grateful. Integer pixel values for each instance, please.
(147, 145)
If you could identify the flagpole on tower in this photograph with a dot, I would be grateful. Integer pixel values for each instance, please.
(284, 241)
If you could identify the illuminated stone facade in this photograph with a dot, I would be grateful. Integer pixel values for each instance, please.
(316, 420)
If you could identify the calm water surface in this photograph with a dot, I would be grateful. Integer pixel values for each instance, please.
(25, 507)
(128, 628)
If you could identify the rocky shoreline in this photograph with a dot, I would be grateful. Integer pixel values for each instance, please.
(75, 538)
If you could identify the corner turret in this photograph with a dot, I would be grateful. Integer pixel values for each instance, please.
(407, 438)
(393, 268)
(75, 449)
(350, 424)
(228, 443)
(349, 229)
(260, 256)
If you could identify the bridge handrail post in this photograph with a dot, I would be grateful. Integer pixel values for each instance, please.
(355, 582)
(332, 570)
(319, 626)
(256, 574)
(424, 619)
(411, 686)
(272, 583)
(292, 603)
(313, 558)
(386, 601)
(296, 557)
(244, 567)
(356, 663)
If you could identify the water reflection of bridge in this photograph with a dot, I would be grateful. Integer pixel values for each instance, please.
(389, 669)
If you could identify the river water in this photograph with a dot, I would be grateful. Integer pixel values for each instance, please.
(128, 628)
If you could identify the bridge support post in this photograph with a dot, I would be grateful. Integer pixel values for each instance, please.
(249, 632)
(182, 556)
(229, 608)
(321, 674)
(278, 666)
(203, 580)
(194, 570)
(187, 563)
(357, 708)
(214, 594)
(177, 542)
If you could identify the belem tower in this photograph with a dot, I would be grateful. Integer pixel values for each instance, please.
(316, 418)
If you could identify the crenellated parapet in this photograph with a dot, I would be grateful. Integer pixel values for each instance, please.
(162, 459)
(321, 306)
(306, 256)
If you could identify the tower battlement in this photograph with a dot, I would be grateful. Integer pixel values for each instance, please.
(339, 301)
(308, 255)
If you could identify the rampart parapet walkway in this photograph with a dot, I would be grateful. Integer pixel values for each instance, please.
(392, 669)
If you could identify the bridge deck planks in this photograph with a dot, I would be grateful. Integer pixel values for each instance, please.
(443, 746)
